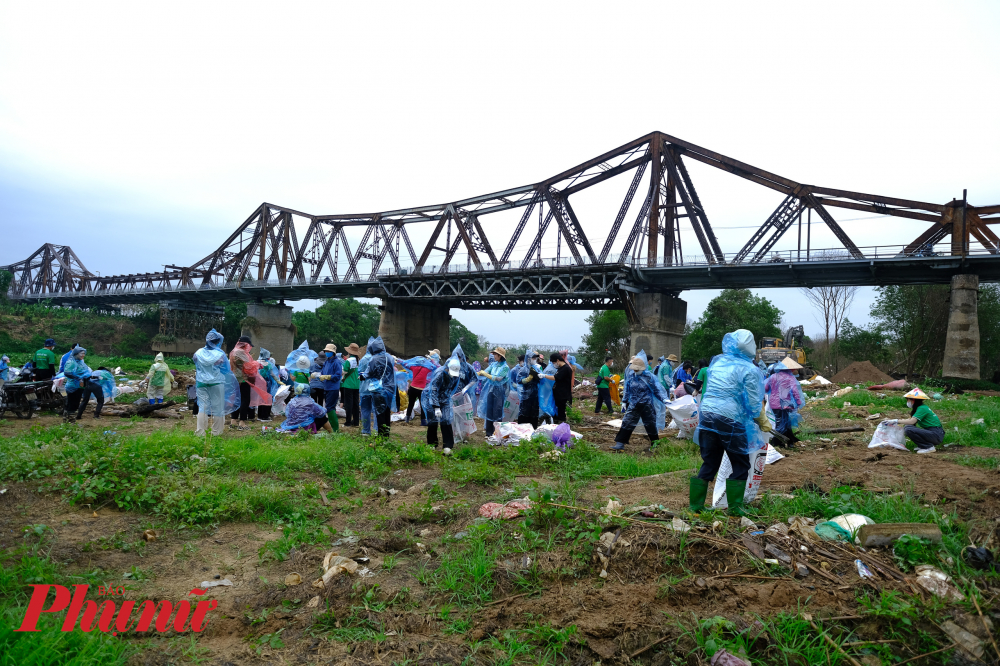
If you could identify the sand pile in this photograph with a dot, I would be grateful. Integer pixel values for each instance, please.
(861, 372)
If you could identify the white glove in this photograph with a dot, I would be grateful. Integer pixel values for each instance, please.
(314, 375)
(437, 414)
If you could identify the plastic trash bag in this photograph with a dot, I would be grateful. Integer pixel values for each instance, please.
(758, 459)
(463, 421)
(511, 406)
(684, 412)
(889, 434)
(513, 433)
(561, 435)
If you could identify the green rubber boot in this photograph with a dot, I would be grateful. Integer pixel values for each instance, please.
(334, 421)
(734, 496)
(699, 489)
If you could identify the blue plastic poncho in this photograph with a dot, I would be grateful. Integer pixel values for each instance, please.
(76, 370)
(403, 379)
(735, 390)
(4, 367)
(572, 361)
(211, 370)
(303, 350)
(665, 373)
(442, 388)
(106, 381)
(301, 411)
(494, 391)
(363, 367)
(546, 401)
(269, 371)
(517, 373)
(379, 376)
(643, 387)
(62, 361)
(784, 394)
(418, 361)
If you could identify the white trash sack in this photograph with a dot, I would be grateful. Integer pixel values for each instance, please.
(890, 435)
(758, 459)
(464, 424)
(684, 412)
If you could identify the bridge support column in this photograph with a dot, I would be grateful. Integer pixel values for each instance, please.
(961, 348)
(272, 331)
(660, 327)
(411, 329)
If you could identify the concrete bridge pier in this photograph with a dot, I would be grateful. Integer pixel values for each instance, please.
(961, 349)
(411, 329)
(660, 325)
(272, 330)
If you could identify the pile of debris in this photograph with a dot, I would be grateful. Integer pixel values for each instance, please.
(861, 372)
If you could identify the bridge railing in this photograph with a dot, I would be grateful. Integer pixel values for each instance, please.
(550, 263)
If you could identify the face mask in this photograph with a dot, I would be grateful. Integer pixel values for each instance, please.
(909, 403)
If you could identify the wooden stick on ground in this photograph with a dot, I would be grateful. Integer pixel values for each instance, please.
(516, 596)
(983, 620)
(824, 431)
(653, 476)
(829, 640)
(927, 654)
(654, 643)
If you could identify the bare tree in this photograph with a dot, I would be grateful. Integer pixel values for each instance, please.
(832, 305)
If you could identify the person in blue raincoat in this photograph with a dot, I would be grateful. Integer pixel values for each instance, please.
(380, 377)
(269, 372)
(216, 386)
(101, 383)
(517, 373)
(642, 390)
(364, 393)
(77, 376)
(731, 419)
(332, 374)
(436, 400)
(494, 393)
(4, 369)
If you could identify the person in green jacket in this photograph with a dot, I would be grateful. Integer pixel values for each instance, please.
(923, 427)
(350, 386)
(604, 387)
(45, 361)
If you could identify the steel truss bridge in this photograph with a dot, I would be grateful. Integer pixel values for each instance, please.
(463, 264)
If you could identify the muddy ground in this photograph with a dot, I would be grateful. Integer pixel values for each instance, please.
(616, 616)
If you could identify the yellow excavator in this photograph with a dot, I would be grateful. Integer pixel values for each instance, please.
(772, 350)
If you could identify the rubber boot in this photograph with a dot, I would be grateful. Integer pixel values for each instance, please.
(334, 421)
(697, 494)
(734, 496)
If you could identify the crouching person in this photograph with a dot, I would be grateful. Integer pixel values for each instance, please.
(731, 419)
(302, 413)
(641, 390)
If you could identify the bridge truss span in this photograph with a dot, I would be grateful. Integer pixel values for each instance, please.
(456, 252)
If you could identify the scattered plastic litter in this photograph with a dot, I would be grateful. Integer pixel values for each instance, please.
(979, 422)
(937, 582)
(979, 558)
(843, 391)
(550, 455)
(333, 566)
(506, 511)
(724, 658)
(293, 579)
(615, 423)
(852, 522)
(963, 638)
(863, 570)
(678, 525)
(205, 584)
(614, 507)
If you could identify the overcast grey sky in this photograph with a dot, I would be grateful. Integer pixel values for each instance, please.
(145, 134)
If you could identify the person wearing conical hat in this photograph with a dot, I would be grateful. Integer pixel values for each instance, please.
(923, 427)
(784, 395)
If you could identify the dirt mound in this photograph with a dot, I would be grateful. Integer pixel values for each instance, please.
(861, 372)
